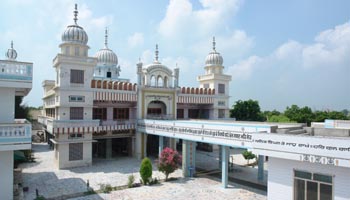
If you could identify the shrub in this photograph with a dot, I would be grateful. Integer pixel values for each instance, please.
(131, 180)
(106, 188)
(153, 181)
(146, 170)
(169, 161)
(248, 155)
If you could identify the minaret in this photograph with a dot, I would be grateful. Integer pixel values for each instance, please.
(214, 78)
(11, 54)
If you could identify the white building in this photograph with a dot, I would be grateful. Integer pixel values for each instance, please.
(15, 134)
(89, 111)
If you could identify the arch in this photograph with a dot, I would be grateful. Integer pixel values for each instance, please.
(130, 86)
(197, 90)
(120, 86)
(183, 90)
(192, 90)
(205, 90)
(166, 81)
(134, 87)
(115, 85)
(188, 90)
(153, 81)
(160, 82)
(201, 91)
(99, 85)
(156, 110)
(125, 86)
(93, 83)
(110, 85)
(213, 91)
(104, 85)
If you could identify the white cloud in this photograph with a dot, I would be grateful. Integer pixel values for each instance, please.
(135, 40)
(182, 21)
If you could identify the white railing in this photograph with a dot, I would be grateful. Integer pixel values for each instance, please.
(159, 117)
(75, 123)
(117, 122)
(17, 132)
(16, 71)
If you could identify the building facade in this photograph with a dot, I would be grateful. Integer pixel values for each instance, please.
(91, 112)
(15, 134)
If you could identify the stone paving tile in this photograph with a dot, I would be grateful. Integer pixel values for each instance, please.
(184, 188)
(52, 182)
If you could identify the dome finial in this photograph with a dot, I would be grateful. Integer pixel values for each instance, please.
(76, 14)
(157, 52)
(11, 53)
(106, 38)
(214, 43)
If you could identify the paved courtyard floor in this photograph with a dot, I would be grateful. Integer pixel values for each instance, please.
(53, 183)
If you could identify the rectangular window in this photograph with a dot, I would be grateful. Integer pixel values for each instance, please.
(221, 113)
(76, 52)
(312, 186)
(76, 113)
(221, 103)
(50, 112)
(67, 51)
(76, 76)
(180, 113)
(206, 85)
(76, 98)
(221, 88)
(121, 113)
(75, 151)
(99, 113)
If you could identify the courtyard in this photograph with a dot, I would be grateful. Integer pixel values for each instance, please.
(63, 184)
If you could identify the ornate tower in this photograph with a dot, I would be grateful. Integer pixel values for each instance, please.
(214, 78)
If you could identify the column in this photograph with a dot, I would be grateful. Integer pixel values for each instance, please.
(188, 158)
(6, 174)
(185, 158)
(261, 167)
(220, 157)
(109, 148)
(138, 145)
(144, 145)
(224, 167)
(161, 144)
(193, 157)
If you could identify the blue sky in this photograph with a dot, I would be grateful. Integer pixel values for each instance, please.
(278, 52)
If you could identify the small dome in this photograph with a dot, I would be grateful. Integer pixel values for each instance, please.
(106, 56)
(75, 33)
(214, 58)
(11, 54)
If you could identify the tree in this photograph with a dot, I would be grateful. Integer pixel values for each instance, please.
(279, 118)
(146, 170)
(300, 115)
(248, 155)
(320, 116)
(21, 111)
(247, 110)
(169, 161)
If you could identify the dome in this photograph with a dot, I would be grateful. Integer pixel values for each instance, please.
(106, 55)
(75, 33)
(214, 58)
(11, 54)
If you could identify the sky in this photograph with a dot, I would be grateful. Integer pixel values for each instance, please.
(277, 52)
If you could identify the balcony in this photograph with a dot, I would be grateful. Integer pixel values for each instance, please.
(15, 136)
(159, 117)
(16, 70)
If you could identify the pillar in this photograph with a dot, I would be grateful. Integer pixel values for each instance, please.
(144, 143)
(109, 148)
(224, 165)
(6, 174)
(188, 158)
(220, 157)
(261, 168)
(161, 144)
(138, 145)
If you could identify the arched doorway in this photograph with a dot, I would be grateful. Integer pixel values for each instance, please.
(156, 110)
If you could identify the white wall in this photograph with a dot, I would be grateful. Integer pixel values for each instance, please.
(6, 175)
(7, 105)
(280, 178)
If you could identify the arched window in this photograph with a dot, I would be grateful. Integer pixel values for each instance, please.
(160, 81)
(153, 81)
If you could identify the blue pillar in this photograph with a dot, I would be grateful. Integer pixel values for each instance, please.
(185, 158)
(261, 167)
(161, 144)
(224, 165)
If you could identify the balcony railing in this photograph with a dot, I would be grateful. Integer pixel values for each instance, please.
(18, 132)
(117, 122)
(159, 117)
(16, 71)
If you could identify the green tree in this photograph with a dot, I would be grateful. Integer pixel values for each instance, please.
(21, 110)
(300, 115)
(248, 155)
(279, 118)
(320, 116)
(247, 110)
(146, 170)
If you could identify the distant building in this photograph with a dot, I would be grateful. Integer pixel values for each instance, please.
(15, 134)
